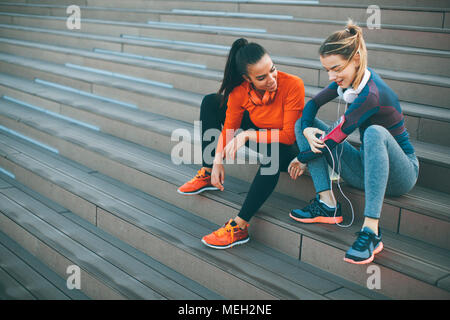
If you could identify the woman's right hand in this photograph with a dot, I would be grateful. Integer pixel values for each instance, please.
(218, 175)
(296, 168)
(314, 142)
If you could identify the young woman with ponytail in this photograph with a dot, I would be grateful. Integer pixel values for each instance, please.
(253, 96)
(385, 163)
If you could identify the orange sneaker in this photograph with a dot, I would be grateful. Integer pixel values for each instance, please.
(227, 236)
(201, 182)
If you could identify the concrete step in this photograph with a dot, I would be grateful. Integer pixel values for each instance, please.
(411, 87)
(24, 277)
(278, 24)
(156, 132)
(179, 74)
(143, 169)
(171, 234)
(422, 37)
(185, 32)
(263, 6)
(180, 105)
(425, 123)
(113, 10)
(423, 89)
(423, 17)
(109, 268)
(411, 3)
(426, 16)
(401, 58)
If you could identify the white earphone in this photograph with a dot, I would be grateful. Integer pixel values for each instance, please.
(351, 94)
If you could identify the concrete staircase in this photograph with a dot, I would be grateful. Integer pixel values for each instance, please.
(86, 123)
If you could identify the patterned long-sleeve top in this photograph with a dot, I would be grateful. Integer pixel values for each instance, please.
(376, 104)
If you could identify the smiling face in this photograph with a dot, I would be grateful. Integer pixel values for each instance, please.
(339, 70)
(263, 74)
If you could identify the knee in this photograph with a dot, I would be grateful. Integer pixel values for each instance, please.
(302, 143)
(375, 132)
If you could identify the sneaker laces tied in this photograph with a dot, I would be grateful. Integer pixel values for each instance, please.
(200, 174)
(313, 207)
(225, 229)
(362, 240)
(309, 206)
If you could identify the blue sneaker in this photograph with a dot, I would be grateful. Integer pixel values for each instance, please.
(365, 247)
(317, 212)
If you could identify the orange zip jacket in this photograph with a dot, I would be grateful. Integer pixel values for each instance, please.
(281, 113)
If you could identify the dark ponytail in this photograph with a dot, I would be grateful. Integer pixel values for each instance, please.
(241, 55)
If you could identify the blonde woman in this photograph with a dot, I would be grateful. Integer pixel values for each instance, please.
(265, 103)
(385, 163)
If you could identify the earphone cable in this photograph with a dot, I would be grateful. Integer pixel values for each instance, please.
(339, 176)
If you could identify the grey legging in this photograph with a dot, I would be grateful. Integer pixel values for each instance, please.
(379, 167)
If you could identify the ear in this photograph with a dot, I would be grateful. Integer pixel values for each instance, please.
(356, 58)
(246, 78)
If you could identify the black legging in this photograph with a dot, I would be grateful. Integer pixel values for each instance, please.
(212, 116)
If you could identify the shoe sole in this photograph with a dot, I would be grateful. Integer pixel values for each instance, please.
(330, 220)
(198, 191)
(227, 246)
(376, 251)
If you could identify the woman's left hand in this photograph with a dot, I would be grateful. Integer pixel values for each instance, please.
(296, 169)
(234, 145)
